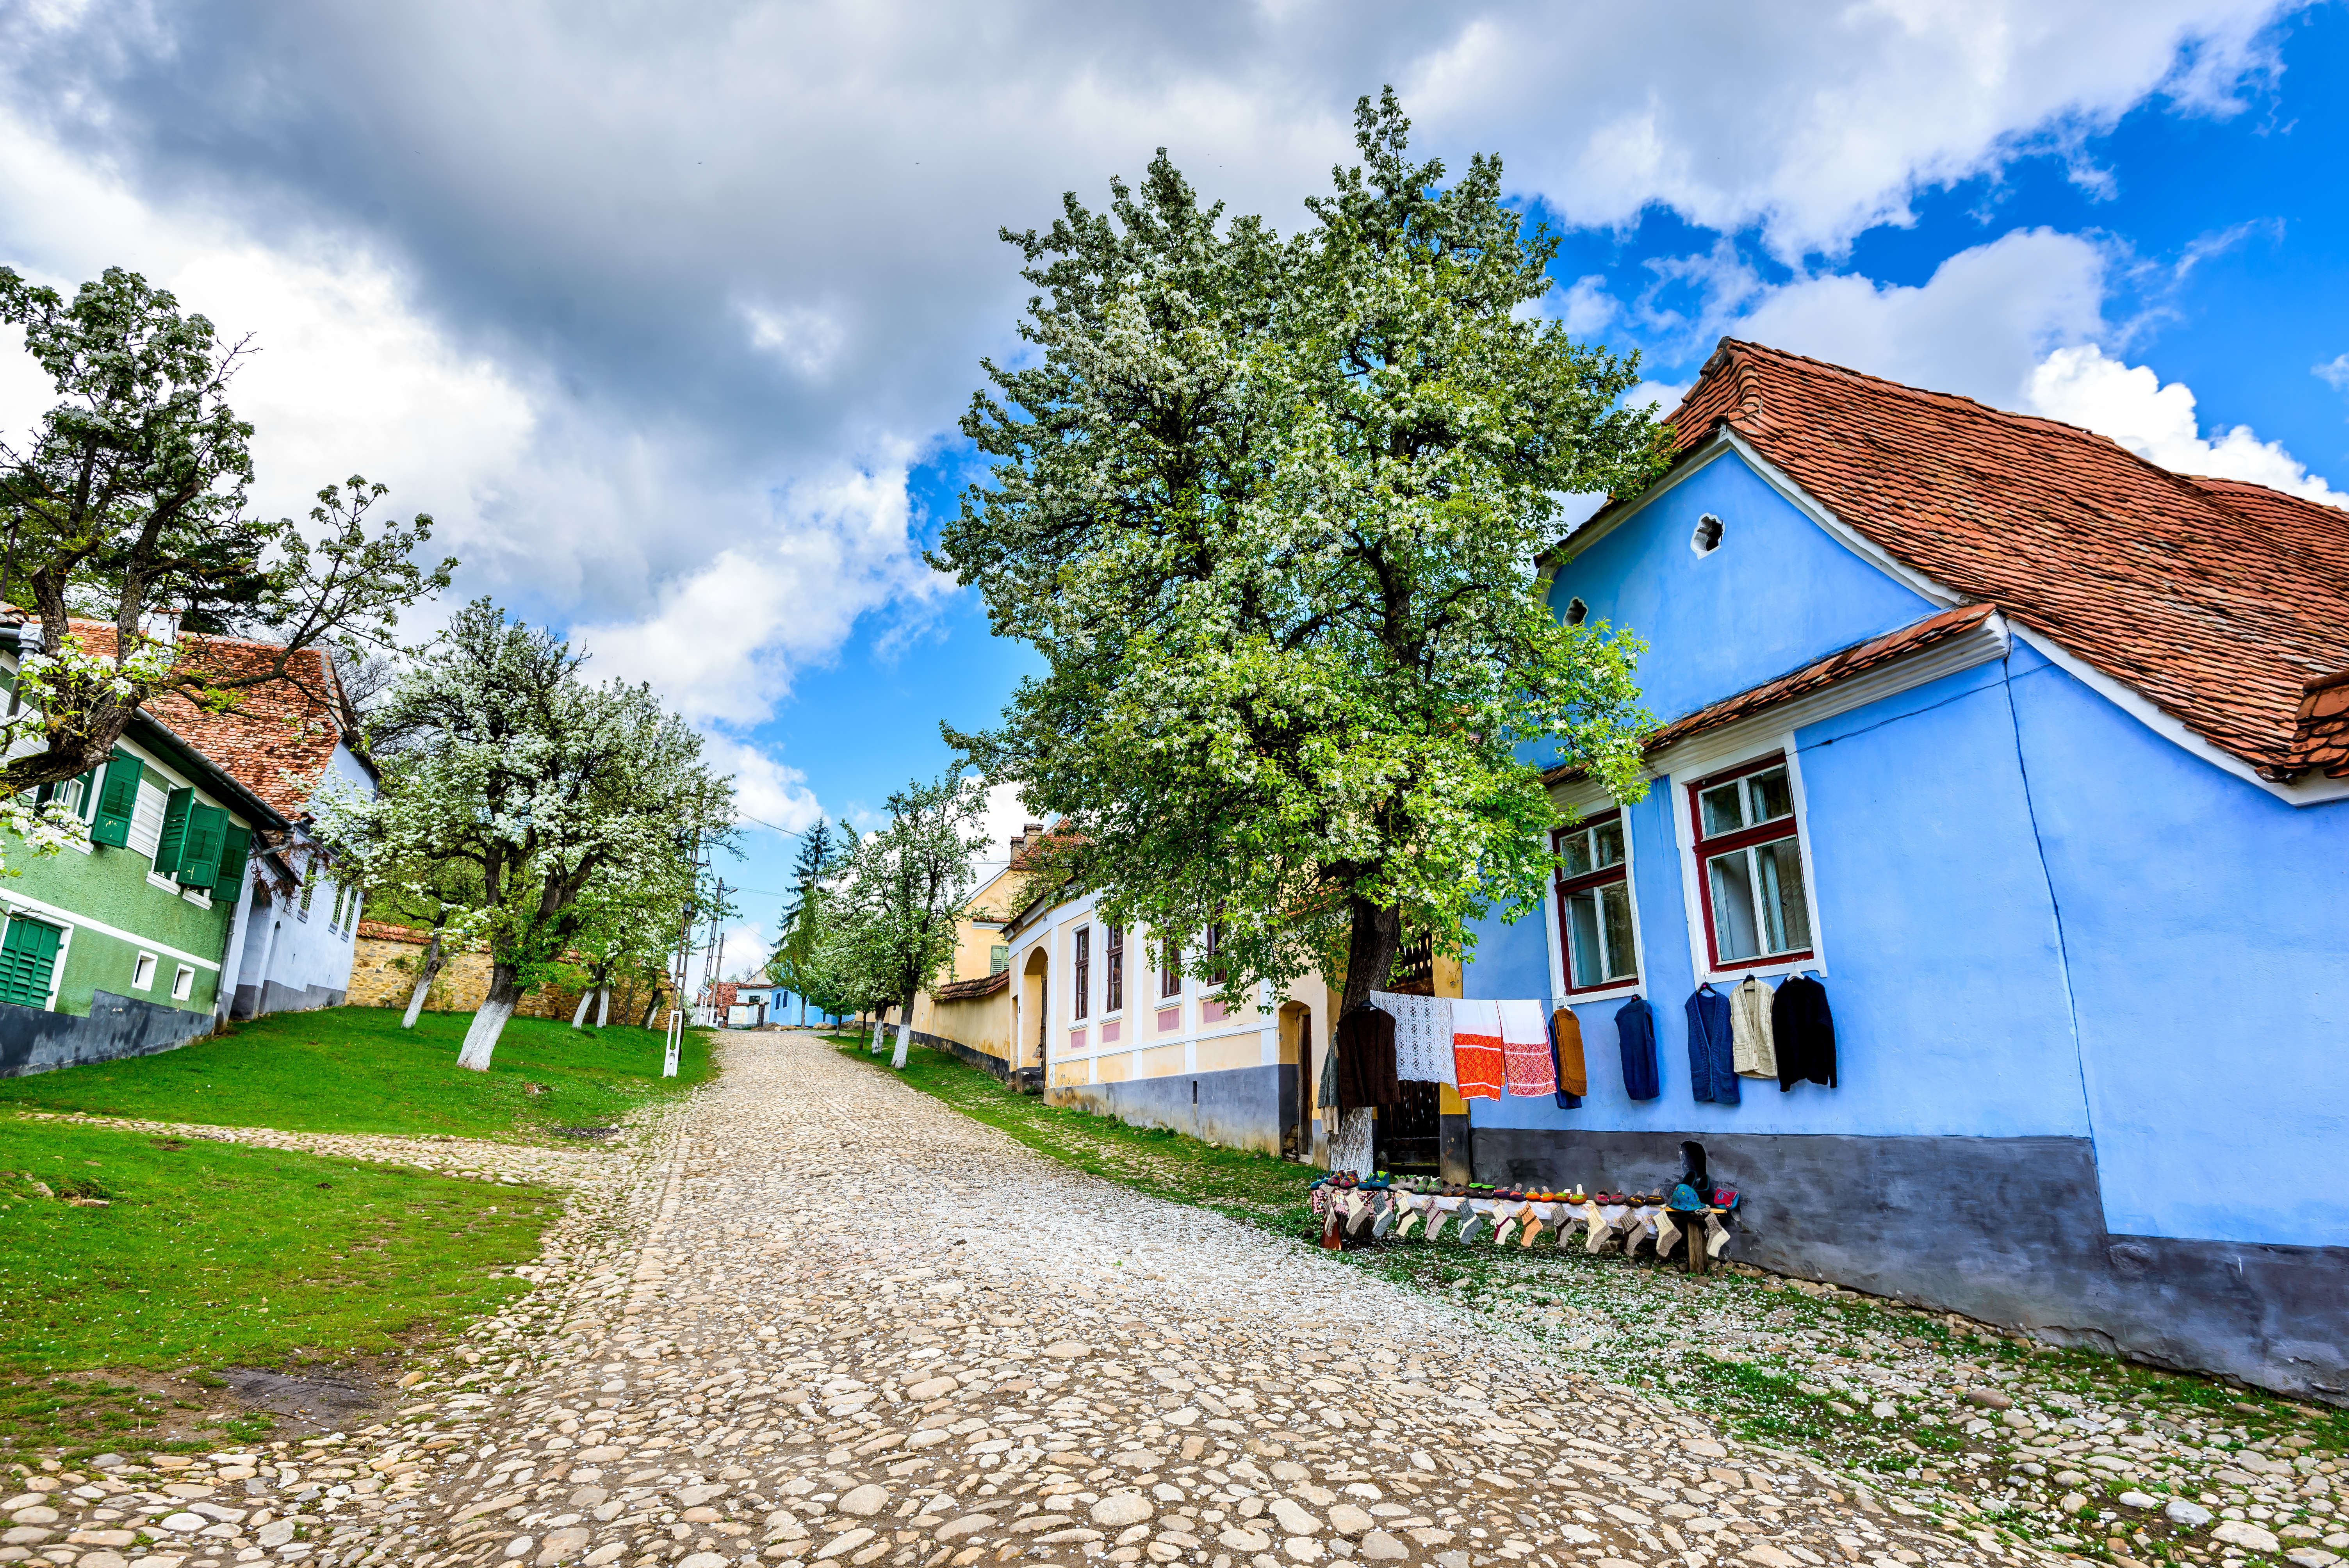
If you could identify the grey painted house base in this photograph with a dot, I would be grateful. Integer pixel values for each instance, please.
(252, 1001)
(1239, 1108)
(993, 1067)
(2006, 1229)
(33, 1040)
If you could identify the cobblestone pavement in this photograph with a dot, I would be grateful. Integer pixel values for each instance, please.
(480, 1159)
(812, 1316)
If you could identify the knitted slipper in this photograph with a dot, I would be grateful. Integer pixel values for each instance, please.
(1535, 1225)
(1507, 1227)
(1385, 1223)
(1474, 1223)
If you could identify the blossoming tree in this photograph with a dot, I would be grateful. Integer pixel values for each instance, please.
(1275, 513)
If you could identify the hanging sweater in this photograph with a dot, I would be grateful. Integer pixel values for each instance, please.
(1565, 1047)
(1635, 1033)
(1804, 1031)
(1366, 1059)
(1749, 1029)
(1713, 1051)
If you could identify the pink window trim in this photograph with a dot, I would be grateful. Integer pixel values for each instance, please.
(1213, 1012)
(1076, 1039)
(1112, 1032)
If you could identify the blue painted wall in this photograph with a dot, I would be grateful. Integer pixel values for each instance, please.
(2037, 917)
(2207, 927)
(1778, 591)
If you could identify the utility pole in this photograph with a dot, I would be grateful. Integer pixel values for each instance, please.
(675, 1041)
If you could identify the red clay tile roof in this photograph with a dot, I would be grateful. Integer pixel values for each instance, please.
(385, 931)
(721, 995)
(2221, 602)
(967, 990)
(2324, 726)
(281, 738)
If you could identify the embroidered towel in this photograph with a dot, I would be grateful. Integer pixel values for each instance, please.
(1423, 1036)
(1476, 1050)
(1525, 1049)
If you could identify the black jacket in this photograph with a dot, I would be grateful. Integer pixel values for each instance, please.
(1805, 1032)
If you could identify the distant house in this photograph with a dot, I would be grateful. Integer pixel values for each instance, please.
(121, 948)
(286, 742)
(2037, 756)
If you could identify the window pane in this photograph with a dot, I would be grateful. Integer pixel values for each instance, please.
(1615, 909)
(1786, 917)
(1575, 851)
(1721, 809)
(1608, 840)
(1773, 797)
(1582, 937)
(1731, 886)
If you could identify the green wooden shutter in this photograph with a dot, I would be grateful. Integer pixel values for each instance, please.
(118, 797)
(199, 849)
(175, 832)
(29, 955)
(235, 844)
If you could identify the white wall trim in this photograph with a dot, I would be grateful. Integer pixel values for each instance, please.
(2312, 790)
(1684, 846)
(50, 911)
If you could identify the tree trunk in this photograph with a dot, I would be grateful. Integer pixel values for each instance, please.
(1369, 951)
(874, 1048)
(905, 1034)
(433, 959)
(490, 1022)
(579, 1014)
(652, 1009)
(603, 1004)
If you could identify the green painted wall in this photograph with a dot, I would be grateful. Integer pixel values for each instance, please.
(110, 884)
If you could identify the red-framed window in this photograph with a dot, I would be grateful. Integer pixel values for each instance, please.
(1749, 866)
(1170, 972)
(1114, 962)
(1081, 1001)
(1594, 904)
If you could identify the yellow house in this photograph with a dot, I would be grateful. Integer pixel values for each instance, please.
(1084, 1012)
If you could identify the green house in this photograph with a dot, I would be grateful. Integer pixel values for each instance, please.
(117, 950)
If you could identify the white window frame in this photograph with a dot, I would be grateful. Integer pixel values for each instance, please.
(1561, 997)
(1684, 838)
(183, 984)
(142, 971)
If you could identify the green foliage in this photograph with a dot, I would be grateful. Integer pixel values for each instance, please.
(130, 496)
(209, 1255)
(797, 962)
(577, 811)
(889, 928)
(1274, 512)
(354, 1070)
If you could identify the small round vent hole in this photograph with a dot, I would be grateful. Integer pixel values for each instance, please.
(1707, 537)
(1577, 612)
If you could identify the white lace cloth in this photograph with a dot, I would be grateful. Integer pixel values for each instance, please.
(1423, 1036)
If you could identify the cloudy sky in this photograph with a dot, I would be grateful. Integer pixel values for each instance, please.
(666, 312)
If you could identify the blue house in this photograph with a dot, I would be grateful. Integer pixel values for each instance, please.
(2037, 757)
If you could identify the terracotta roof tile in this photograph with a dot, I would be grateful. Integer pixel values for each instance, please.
(2323, 728)
(279, 741)
(969, 990)
(2220, 601)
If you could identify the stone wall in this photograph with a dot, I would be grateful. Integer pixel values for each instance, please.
(383, 972)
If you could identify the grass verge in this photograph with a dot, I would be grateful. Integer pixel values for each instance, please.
(1651, 1327)
(205, 1255)
(355, 1070)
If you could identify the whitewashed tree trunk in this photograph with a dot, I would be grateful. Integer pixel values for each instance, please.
(603, 1004)
(874, 1048)
(482, 1039)
(579, 1014)
(416, 1001)
(898, 1060)
(489, 1023)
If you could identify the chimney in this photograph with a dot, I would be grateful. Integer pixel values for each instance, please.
(1019, 843)
(162, 625)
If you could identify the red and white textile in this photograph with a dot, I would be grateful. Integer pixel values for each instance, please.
(1525, 1049)
(1476, 1059)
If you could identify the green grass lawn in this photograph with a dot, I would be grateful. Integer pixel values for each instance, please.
(355, 1070)
(210, 1255)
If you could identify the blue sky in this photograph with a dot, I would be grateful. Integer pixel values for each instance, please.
(667, 314)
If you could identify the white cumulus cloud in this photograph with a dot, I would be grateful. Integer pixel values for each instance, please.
(2130, 403)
